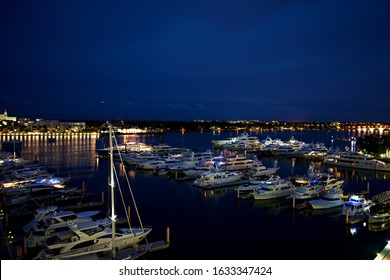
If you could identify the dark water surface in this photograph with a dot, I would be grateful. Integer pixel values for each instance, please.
(214, 224)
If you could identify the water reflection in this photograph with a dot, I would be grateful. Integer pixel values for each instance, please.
(67, 153)
(274, 206)
(334, 212)
(215, 193)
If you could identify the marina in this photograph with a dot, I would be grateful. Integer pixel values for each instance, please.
(208, 215)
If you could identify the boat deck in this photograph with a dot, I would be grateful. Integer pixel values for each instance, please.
(223, 185)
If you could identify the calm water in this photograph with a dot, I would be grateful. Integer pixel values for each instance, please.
(213, 224)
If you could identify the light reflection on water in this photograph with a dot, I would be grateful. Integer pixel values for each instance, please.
(213, 224)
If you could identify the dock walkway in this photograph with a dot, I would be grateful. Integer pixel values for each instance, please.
(385, 254)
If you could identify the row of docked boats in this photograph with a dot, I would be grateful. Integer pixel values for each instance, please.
(85, 237)
(62, 234)
(205, 168)
(324, 195)
(24, 186)
(311, 151)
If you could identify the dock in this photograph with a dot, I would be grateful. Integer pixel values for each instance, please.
(385, 254)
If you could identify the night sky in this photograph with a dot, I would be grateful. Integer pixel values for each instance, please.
(179, 60)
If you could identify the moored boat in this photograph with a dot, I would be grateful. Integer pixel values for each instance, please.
(217, 178)
(331, 199)
(356, 205)
(274, 189)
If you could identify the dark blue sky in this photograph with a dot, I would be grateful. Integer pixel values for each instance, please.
(183, 60)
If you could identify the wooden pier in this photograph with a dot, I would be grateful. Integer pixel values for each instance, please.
(384, 255)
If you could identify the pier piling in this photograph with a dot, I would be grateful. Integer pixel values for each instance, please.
(25, 245)
(168, 235)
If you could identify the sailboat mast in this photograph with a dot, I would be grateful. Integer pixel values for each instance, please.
(112, 185)
(13, 128)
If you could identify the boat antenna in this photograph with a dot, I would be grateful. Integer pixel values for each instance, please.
(13, 128)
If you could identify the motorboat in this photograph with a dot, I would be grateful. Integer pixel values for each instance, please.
(306, 192)
(380, 210)
(138, 147)
(140, 158)
(26, 186)
(356, 205)
(284, 151)
(46, 216)
(217, 178)
(47, 227)
(258, 169)
(379, 217)
(198, 171)
(356, 160)
(236, 163)
(252, 186)
(331, 199)
(85, 238)
(242, 140)
(153, 164)
(273, 189)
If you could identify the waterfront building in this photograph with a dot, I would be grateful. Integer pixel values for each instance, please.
(5, 117)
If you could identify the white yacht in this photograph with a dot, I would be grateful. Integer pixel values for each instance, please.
(236, 163)
(357, 205)
(258, 169)
(138, 147)
(51, 215)
(217, 178)
(330, 199)
(198, 171)
(283, 151)
(355, 160)
(252, 186)
(306, 192)
(153, 164)
(139, 158)
(243, 140)
(274, 189)
(86, 238)
(47, 228)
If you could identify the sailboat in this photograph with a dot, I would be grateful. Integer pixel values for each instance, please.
(83, 239)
